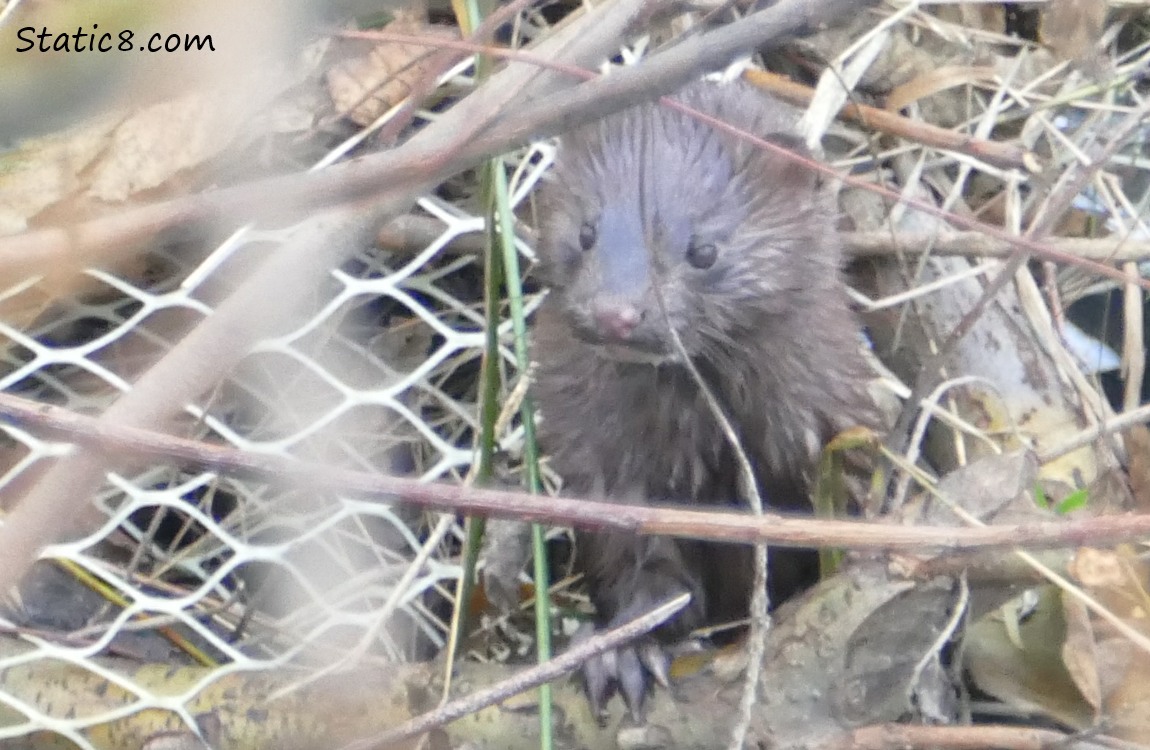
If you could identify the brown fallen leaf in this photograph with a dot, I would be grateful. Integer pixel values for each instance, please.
(1050, 655)
(850, 652)
(43, 171)
(365, 87)
(244, 706)
(934, 81)
(1137, 443)
(158, 142)
(1072, 28)
(1120, 580)
(1015, 653)
(981, 16)
(1079, 653)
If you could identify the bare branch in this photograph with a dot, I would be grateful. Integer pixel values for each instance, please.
(566, 662)
(102, 439)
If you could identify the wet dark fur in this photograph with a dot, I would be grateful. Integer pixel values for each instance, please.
(768, 325)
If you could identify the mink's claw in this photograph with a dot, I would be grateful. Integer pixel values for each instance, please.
(629, 670)
(632, 681)
(656, 662)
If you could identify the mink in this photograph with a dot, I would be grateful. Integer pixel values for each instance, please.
(655, 221)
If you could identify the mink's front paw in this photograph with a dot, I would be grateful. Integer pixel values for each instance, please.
(628, 669)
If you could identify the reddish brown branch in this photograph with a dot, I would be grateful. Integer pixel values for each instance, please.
(1006, 155)
(409, 168)
(910, 737)
(142, 445)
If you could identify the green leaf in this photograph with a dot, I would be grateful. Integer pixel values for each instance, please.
(1040, 498)
(1073, 501)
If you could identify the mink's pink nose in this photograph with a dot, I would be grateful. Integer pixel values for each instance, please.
(616, 320)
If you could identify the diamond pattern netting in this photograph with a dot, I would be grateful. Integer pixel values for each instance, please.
(380, 376)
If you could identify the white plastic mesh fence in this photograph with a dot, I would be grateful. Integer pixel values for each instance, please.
(250, 574)
(253, 574)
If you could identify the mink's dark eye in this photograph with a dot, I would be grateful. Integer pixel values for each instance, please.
(702, 255)
(587, 236)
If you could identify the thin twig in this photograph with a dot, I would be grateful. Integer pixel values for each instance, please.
(784, 531)
(748, 491)
(410, 234)
(1119, 423)
(1059, 199)
(407, 169)
(444, 56)
(909, 737)
(1007, 155)
(977, 244)
(568, 661)
(273, 290)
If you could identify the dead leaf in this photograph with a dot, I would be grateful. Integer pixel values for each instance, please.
(1099, 570)
(934, 81)
(74, 174)
(982, 16)
(991, 487)
(1026, 670)
(1056, 658)
(1119, 580)
(892, 658)
(1073, 28)
(847, 653)
(1127, 704)
(40, 174)
(43, 171)
(365, 87)
(1078, 652)
(156, 143)
(1137, 443)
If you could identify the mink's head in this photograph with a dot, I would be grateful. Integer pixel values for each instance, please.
(654, 218)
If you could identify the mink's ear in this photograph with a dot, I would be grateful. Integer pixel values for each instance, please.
(783, 170)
